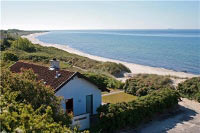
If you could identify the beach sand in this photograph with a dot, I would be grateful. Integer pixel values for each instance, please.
(135, 68)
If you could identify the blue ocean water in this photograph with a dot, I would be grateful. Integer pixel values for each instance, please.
(177, 50)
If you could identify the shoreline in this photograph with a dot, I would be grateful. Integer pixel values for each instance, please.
(135, 68)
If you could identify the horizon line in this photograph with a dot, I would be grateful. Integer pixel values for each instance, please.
(102, 29)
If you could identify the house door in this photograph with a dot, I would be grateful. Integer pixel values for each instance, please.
(89, 104)
(69, 105)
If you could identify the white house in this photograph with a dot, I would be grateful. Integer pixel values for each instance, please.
(81, 96)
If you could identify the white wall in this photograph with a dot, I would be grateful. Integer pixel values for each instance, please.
(78, 89)
(82, 121)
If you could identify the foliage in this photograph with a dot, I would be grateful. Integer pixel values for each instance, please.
(104, 81)
(143, 84)
(21, 117)
(32, 92)
(36, 58)
(190, 88)
(12, 34)
(115, 116)
(44, 54)
(29, 106)
(8, 56)
(23, 44)
(113, 68)
(5, 43)
(24, 50)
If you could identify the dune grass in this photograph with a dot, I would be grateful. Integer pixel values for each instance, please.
(118, 98)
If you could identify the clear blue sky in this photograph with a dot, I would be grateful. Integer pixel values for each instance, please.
(49, 15)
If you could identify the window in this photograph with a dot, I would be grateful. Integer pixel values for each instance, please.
(69, 105)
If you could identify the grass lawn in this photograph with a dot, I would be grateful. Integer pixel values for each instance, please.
(111, 90)
(118, 97)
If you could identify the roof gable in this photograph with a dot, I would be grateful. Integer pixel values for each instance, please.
(43, 73)
(49, 76)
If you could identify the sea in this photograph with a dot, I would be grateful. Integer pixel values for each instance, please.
(177, 50)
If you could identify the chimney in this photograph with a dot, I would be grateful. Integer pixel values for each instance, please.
(54, 64)
(57, 74)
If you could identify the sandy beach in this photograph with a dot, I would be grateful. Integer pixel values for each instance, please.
(135, 68)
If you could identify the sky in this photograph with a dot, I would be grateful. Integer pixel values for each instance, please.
(63, 15)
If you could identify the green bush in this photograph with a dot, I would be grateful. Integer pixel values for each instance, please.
(20, 117)
(32, 92)
(113, 68)
(24, 44)
(29, 106)
(197, 97)
(36, 58)
(143, 84)
(5, 43)
(190, 88)
(104, 81)
(7, 56)
(120, 115)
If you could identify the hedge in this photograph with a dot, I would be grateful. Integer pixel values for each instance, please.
(103, 81)
(190, 88)
(120, 115)
(143, 84)
(8, 56)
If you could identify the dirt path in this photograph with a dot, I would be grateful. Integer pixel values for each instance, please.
(186, 120)
(111, 93)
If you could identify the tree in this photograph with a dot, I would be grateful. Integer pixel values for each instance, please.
(21, 117)
(29, 91)
(103, 81)
(24, 44)
(21, 112)
(7, 56)
(5, 43)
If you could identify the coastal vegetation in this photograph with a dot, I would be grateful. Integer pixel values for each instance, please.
(23, 44)
(121, 115)
(102, 73)
(7, 56)
(143, 84)
(15, 33)
(30, 106)
(103, 81)
(113, 68)
(190, 88)
(25, 50)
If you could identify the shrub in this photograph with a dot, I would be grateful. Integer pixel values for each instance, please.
(32, 92)
(36, 58)
(103, 81)
(115, 116)
(197, 97)
(143, 84)
(24, 44)
(190, 88)
(7, 56)
(30, 106)
(20, 117)
(113, 68)
(4, 44)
